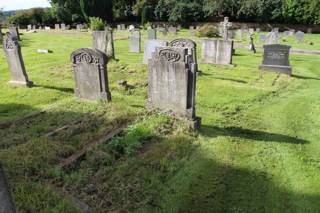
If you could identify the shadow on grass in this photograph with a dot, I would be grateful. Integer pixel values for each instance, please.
(61, 89)
(304, 77)
(214, 131)
(231, 79)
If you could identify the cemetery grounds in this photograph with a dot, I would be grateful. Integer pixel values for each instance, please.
(257, 150)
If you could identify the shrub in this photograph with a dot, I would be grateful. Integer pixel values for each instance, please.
(96, 24)
(209, 31)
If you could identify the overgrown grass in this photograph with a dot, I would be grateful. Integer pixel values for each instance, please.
(257, 150)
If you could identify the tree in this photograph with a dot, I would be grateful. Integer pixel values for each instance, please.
(97, 8)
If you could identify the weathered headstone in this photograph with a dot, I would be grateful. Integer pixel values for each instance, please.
(79, 27)
(90, 72)
(172, 83)
(225, 25)
(135, 42)
(273, 37)
(68, 27)
(119, 27)
(57, 26)
(6, 203)
(192, 31)
(123, 27)
(131, 28)
(292, 32)
(34, 27)
(276, 58)
(258, 30)
(47, 28)
(263, 38)
(152, 34)
(63, 26)
(299, 36)
(309, 30)
(14, 32)
(150, 47)
(29, 27)
(17, 69)
(186, 43)
(172, 30)
(217, 52)
(103, 41)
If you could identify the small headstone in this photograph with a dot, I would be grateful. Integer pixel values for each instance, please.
(179, 27)
(135, 42)
(309, 30)
(118, 27)
(150, 47)
(68, 27)
(131, 28)
(79, 27)
(57, 26)
(1, 36)
(90, 72)
(14, 32)
(123, 27)
(172, 83)
(273, 37)
(6, 203)
(63, 26)
(217, 51)
(263, 38)
(17, 69)
(286, 34)
(47, 28)
(34, 27)
(299, 36)
(103, 41)
(292, 32)
(276, 58)
(172, 30)
(152, 34)
(225, 25)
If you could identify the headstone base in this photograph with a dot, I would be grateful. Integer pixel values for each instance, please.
(194, 124)
(280, 69)
(21, 83)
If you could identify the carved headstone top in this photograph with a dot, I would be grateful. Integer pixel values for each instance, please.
(182, 43)
(88, 56)
(171, 54)
(10, 42)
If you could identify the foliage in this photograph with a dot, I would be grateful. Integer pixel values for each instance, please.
(209, 31)
(97, 8)
(96, 23)
(33, 16)
(147, 14)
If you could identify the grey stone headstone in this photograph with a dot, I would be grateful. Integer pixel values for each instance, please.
(17, 69)
(173, 30)
(123, 27)
(103, 41)
(57, 26)
(118, 27)
(217, 52)
(292, 32)
(186, 43)
(135, 42)
(309, 30)
(172, 83)
(276, 58)
(273, 37)
(6, 203)
(79, 27)
(263, 38)
(299, 36)
(29, 27)
(163, 30)
(14, 32)
(68, 27)
(152, 34)
(90, 73)
(47, 28)
(150, 47)
(286, 34)
(63, 26)
(258, 30)
(34, 27)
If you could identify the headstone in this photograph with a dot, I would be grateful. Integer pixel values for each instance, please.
(103, 41)
(286, 34)
(276, 58)
(225, 25)
(163, 30)
(90, 73)
(217, 51)
(292, 32)
(68, 27)
(57, 26)
(131, 28)
(118, 27)
(258, 30)
(273, 37)
(251, 44)
(186, 43)
(47, 28)
(263, 38)
(152, 34)
(6, 204)
(135, 42)
(14, 32)
(192, 31)
(172, 83)
(29, 27)
(309, 30)
(123, 27)
(299, 36)
(79, 27)
(63, 26)
(17, 69)
(179, 27)
(173, 30)
(34, 27)
(150, 47)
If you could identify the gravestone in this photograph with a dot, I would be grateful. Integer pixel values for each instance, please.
(13, 54)
(63, 26)
(172, 30)
(292, 32)
(258, 30)
(192, 31)
(34, 27)
(68, 27)
(163, 30)
(103, 41)
(263, 38)
(135, 42)
(172, 83)
(14, 32)
(152, 34)
(118, 27)
(79, 27)
(225, 25)
(6, 204)
(309, 30)
(131, 28)
(286, 34)
(90, 73)
(150, 47)
(29, 27)
(217, 52)
(273, 37)
(57, 26)
(186, 43)
(239, 34)
(299, 36)
(47, 28)
(276, 58)
(123, 27)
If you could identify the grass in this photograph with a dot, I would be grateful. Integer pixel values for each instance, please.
(257, 150)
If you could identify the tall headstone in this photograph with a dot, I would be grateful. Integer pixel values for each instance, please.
(57, 26)
(217, 52)
(6, 203)
(14, 32)
(135, 42)
(276, 58)
(13, 54)
(172, 83)
(90, 73)
(225, 25)
(123, 27)
(150, 47)
(119, 27)
(63, 26)
(299, 36)
(29, 27)
(152, 34)
(103, 41)
(309, 30)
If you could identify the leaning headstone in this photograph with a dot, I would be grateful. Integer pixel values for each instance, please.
(57, 26)
(192, 31)
(90, 72)
(224, 26)
(79, 27)
(63, 26)
(17, 69)
(299, 36)
(152, 34)
(276, 58)
(172, 83)
(217, 52)
(103, 41)
(150, 47)
(163, 30)
(68, 27)
(14, 32)
(135, 42)
(6, 203)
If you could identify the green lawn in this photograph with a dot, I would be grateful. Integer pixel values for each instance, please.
(257, 150)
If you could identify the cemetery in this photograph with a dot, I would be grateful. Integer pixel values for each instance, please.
(125, 117)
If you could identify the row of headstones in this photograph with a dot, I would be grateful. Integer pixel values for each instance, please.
(274, 36)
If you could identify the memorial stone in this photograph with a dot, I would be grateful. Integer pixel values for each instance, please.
(135, 42)
(152, 34)
(14, 32)
(90, 73)
(217, 52)
(57, 26)
(225, 25)
(150, 47)
(172, 30)
(29, 27)
(103, 41)
(299, 36)
(63, 26)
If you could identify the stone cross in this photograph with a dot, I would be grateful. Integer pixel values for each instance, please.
(90, 73)
(17, 69)
(172, 83)
(225, 27)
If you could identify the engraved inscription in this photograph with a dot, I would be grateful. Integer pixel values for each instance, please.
(85, 58)
(276, 55)
(169, 55)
